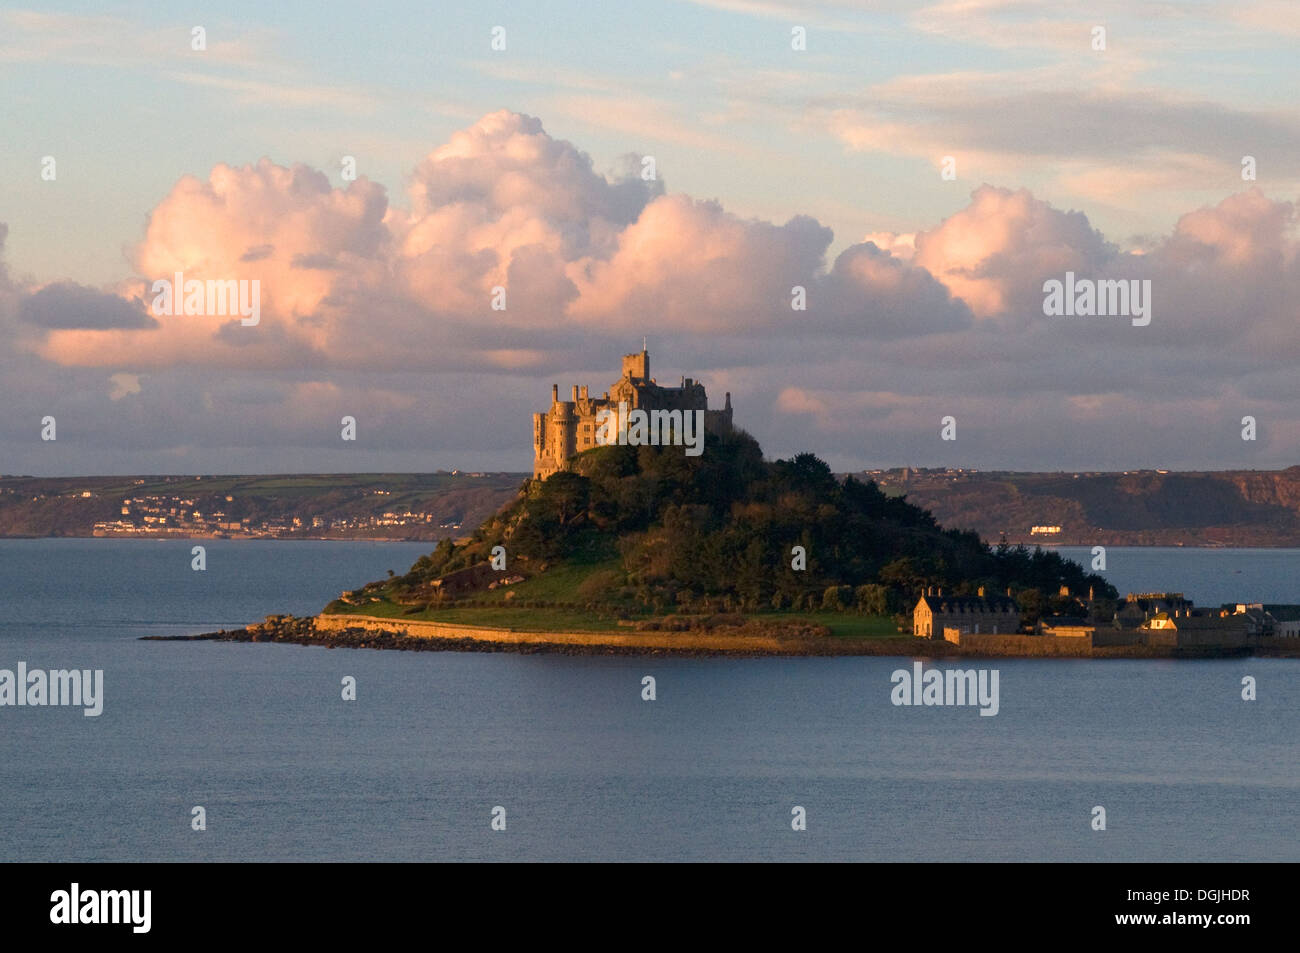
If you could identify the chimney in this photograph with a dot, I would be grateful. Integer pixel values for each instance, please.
(555, 393)
(575, 393)
(582, 391)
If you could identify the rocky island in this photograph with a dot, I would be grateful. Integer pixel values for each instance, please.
(646, 546)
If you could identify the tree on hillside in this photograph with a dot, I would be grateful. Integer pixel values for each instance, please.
(719, 529)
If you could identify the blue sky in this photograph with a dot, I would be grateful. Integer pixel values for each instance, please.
(712, 90)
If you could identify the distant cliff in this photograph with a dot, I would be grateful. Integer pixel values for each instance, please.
(1136, 508)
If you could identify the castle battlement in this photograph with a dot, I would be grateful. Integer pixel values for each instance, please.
(569, 426)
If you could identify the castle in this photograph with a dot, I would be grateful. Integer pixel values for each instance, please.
(570, 426)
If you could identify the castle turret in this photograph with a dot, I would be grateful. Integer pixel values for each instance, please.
(637, 366)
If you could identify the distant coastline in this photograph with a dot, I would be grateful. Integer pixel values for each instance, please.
(1140, 508)
(458, 538)
(379, 507)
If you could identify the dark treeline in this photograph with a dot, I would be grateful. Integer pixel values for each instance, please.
(664, 530)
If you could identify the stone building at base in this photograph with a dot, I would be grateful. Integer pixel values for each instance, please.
(976, 615)
(569, 427)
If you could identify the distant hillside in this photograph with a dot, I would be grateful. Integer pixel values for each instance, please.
(1138, 508)
(642, 529)
(415, 506)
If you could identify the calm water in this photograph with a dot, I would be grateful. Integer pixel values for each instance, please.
(258, 735)
(1209, 577)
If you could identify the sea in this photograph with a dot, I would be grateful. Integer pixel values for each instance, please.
(448, 756)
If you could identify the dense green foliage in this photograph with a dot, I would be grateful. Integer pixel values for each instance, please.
(661, 530)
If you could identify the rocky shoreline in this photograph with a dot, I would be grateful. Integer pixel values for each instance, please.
(304, 631)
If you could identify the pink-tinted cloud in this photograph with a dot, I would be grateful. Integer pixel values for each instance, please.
(691, 265)
(383, 310)
(994, 253)
(347, 279)
(1243, 229)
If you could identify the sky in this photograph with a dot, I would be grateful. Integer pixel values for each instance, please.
(919, 169)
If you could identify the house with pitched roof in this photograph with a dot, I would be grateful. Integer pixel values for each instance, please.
(979, 614)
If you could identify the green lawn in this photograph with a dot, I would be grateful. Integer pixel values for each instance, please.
(558, 584)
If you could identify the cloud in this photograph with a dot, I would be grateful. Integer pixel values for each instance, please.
(35, 35)
(1078, 127)
(383, 310)
(505, 195)
(1243, 229)
(870, 293)
(123, 385)
(65, 305)
(900, 246)
(1226, 272)
(688, 264)
(994, 253)
(291, 95)
(347, 279)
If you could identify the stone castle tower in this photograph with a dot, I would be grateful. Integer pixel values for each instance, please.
(569, 427)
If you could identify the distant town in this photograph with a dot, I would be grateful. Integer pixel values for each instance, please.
(181, 516)
(324, 506)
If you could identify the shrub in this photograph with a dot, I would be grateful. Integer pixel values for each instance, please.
(831, 598)
(599, 584)
(873, 599)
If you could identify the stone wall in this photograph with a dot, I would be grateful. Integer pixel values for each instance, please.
(1029, 645)
(641, 640)
(1217, 636)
